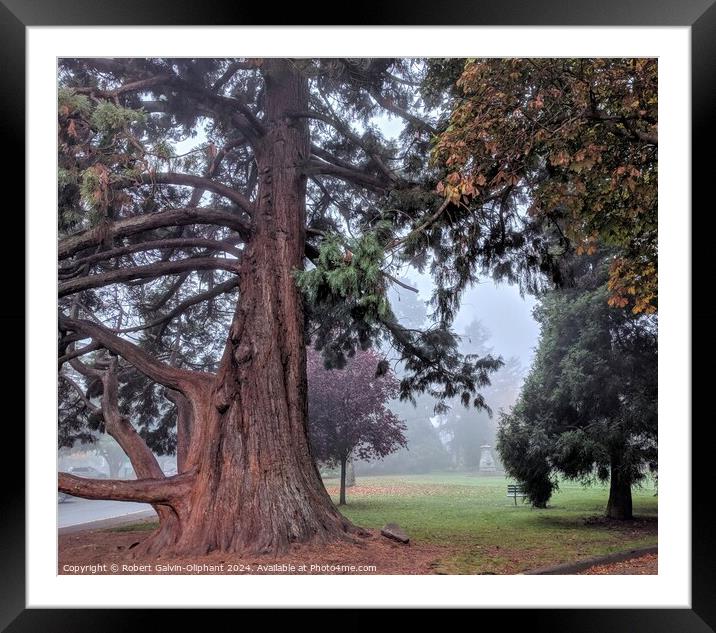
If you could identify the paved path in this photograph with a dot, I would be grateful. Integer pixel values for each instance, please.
(81, 511)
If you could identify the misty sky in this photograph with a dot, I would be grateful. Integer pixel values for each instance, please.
(507, 316)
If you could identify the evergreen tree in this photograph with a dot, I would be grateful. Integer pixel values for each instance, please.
(588, 409)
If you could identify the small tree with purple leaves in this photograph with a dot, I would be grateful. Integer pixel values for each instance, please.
(347, 411)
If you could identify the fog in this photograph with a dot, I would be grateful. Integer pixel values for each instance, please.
(499, 307)
(493, 319)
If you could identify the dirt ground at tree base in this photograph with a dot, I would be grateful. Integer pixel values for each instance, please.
(108, 552)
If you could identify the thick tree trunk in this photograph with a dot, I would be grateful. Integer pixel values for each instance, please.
(342, 499)
(619, 505)
(257, 487)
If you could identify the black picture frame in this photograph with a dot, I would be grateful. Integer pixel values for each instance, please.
(700, 15)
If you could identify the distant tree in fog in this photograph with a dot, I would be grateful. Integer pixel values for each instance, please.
(348, 414)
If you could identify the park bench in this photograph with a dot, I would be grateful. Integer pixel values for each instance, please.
(516, 490)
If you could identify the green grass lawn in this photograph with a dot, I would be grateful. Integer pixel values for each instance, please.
(473, 514)
(481, 528)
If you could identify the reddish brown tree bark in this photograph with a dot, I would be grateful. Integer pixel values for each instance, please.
(247, 480)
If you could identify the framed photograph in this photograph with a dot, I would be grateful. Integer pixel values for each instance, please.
(358, 316)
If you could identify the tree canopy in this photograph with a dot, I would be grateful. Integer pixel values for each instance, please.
(151, 236)
(575, 141)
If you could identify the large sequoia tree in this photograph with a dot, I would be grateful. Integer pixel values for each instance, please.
(185, 300)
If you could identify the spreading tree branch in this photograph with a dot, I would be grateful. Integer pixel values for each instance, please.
(150, 271)
(239, 111)
(131, 86)
(189, 180)
(350, 175)
(76, 353)
(80, 392)
(143, 461)
(220, 289)
(345, 131)
(230, 71)
(397, 281)
(160, 244)
(173, 377)
(419, 229)
(140, 223)
(389, 105)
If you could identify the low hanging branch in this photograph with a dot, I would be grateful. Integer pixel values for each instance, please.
(403, 337)
(162, 490)
(153, 482)
(143, 461)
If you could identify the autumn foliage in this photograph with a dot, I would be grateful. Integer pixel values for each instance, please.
(573, 139)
